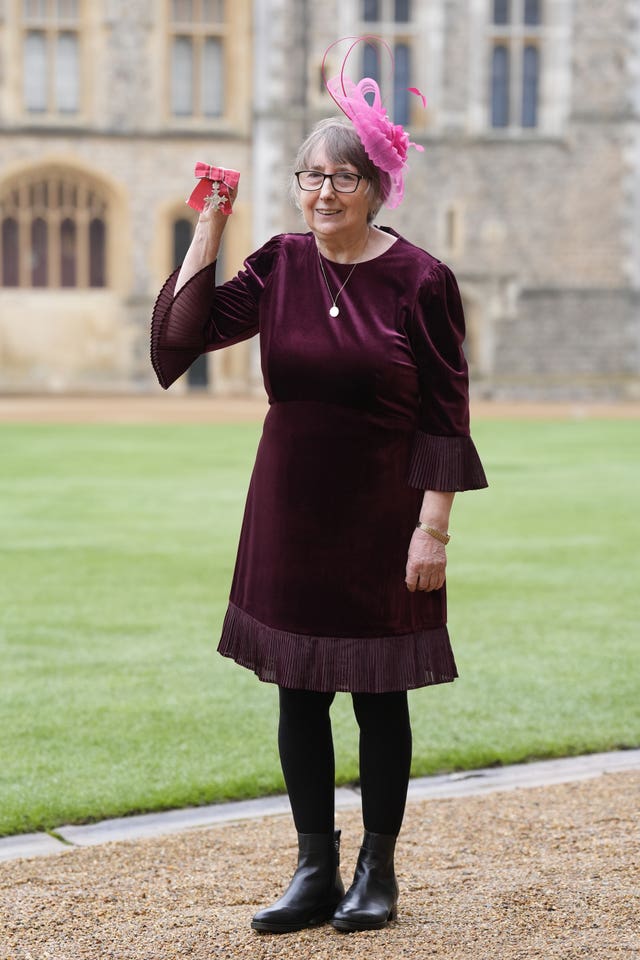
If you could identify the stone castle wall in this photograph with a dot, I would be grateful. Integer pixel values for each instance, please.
(542, 226)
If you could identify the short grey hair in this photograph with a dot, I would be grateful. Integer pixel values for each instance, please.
(342, 144)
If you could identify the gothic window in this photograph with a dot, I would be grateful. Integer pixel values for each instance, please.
(54, 232)
(9, 252)
(530, 73)
(68, 253)
(402, 77)
(515, 54)
(501, 11)
(51, 56)
(39, 252)
(197, 58)
(370, 11)
(182, 234)
(500, 86)
(97, 252)
(401, 11)
(532, 12)
(390, 20)
(371, 63)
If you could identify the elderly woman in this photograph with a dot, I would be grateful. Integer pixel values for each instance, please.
(339, 582)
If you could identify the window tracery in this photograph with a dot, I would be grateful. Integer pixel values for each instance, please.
(53, 232)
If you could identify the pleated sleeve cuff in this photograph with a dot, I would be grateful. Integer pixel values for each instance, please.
(445, 463)
(178, 325)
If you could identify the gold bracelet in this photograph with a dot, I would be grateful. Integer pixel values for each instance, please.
(436, 534)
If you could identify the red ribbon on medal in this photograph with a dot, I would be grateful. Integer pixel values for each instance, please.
(213, 184)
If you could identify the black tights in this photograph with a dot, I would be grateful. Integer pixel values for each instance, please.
(306, 754)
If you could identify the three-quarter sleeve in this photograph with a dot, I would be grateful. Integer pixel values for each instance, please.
(202, 316)
(444, 456)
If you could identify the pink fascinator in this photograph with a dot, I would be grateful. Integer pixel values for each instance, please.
(386, 144)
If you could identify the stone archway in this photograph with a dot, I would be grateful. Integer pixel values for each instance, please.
(65, 322)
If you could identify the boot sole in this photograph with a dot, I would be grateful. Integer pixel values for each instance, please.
(353, 926)
(263, 926)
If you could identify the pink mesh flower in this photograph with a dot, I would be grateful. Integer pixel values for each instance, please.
(386, 144)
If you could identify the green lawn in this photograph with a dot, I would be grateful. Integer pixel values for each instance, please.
(118, 545)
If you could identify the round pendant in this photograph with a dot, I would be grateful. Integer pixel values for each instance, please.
(334, 311)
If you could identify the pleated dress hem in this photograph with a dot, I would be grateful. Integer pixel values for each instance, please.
(349, 664)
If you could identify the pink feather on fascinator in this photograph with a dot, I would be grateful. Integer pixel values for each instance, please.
(386, 144)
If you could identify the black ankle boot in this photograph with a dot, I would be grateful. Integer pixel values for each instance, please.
(314, 891)
(372, 898)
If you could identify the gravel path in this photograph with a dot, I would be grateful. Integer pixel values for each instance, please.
(529, 874)
(550, 872)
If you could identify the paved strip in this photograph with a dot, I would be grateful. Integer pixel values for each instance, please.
(469, 783)
(158, 407)
(29, 845)
(541, 773)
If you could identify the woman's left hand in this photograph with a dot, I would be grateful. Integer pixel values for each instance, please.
(426, 562)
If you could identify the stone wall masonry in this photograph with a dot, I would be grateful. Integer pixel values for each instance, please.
(575, 335)
(547, 211)
(602, 44)
(456, 62)
(127, 80)
(631, 225)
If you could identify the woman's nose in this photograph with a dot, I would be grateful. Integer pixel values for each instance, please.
(326, 190)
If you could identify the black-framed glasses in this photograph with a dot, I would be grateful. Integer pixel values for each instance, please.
(341, 182)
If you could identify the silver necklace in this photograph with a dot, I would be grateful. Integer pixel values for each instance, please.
(334, 310)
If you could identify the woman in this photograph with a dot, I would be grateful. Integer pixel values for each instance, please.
(339, 580)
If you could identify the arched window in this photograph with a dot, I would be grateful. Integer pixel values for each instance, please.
(54, 231)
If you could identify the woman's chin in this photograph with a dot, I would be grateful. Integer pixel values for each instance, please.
(328, 226)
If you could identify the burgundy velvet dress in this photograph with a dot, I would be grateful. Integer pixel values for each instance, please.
(367, 410)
